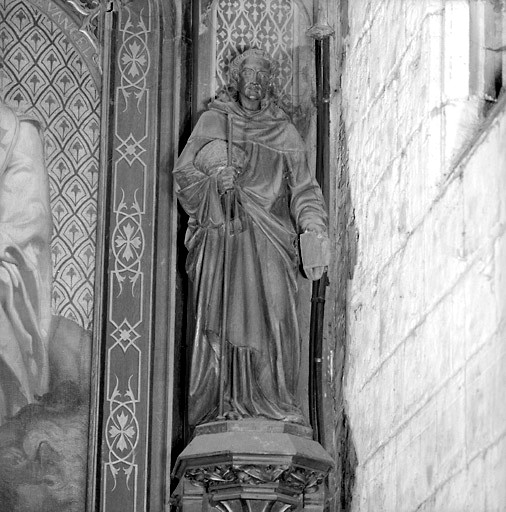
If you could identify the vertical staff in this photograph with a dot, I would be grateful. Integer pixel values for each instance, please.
(226, 276)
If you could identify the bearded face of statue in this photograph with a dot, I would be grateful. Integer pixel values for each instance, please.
(254, 77)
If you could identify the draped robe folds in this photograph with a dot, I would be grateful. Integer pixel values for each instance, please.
(25, 263)
(274, 198)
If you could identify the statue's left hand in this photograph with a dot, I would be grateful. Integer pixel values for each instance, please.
(226, 179)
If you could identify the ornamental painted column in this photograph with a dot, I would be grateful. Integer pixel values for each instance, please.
(130, 159)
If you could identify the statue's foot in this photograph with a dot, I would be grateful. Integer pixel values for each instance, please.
(295, 418)
(232, 415)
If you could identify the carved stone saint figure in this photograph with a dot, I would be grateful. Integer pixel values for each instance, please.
(249, 149)
(25, 263)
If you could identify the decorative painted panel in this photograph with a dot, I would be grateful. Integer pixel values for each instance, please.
(45, 75)
(131, 253)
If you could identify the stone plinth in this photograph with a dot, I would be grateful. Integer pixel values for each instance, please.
(253, 465)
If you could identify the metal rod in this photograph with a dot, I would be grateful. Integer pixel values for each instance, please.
(322, 61)
(226, 277)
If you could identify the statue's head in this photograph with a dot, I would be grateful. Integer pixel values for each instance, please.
(251, 74)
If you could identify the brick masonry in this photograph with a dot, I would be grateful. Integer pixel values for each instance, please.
(425, 372)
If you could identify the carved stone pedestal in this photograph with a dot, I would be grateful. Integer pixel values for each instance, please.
(251, 466)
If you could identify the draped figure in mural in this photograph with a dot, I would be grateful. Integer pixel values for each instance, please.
(274, 198)
(25, 263)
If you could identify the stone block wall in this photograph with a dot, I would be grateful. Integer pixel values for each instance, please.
(425, 371)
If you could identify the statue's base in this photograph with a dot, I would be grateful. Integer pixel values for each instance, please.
(251, 465)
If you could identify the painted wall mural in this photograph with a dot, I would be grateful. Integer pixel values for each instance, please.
(50, 79)
(45, 75)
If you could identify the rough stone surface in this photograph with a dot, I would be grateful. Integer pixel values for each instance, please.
(425, 369)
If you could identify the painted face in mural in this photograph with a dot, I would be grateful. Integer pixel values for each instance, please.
(254, 77)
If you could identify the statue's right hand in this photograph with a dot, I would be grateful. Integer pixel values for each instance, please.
(226, 179)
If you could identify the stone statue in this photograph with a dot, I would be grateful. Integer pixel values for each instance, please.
(246, 153)
(25, 263)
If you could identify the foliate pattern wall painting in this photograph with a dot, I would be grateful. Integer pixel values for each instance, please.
(126, 313)
(45, 75)
(266, 24)
(130, 303)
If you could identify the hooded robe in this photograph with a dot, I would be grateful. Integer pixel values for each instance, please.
(25, 263)
(274, 199)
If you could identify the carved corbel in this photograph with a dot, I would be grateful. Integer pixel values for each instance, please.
(256, 487)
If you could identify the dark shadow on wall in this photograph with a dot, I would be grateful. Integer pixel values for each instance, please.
(348, 453)
(346, 255)
(338, 432)
(348, 465)
(180, 429)
(183, 327)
